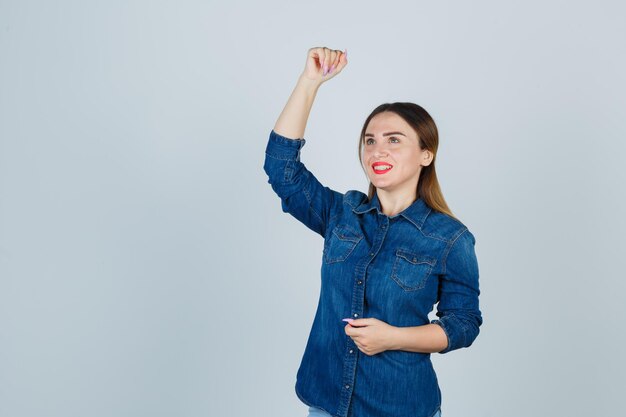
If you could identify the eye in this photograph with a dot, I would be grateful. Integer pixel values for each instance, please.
(369, 141)
(392, 138)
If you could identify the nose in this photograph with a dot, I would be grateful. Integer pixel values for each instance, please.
(380, 150)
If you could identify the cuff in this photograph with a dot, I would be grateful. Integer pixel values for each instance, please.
(282, 147)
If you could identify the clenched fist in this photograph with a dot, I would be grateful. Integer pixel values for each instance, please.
(322, 64)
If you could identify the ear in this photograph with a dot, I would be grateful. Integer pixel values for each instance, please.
(427, 158)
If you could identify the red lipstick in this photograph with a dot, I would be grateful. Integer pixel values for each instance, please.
(384, 167)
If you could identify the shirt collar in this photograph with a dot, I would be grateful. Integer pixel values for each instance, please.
(416, 213)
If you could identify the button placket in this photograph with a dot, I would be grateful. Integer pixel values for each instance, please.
(357, 311)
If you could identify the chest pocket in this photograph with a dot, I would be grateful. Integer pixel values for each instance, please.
(340, 244)
(411, 270)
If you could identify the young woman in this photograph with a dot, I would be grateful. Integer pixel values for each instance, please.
(388, 258)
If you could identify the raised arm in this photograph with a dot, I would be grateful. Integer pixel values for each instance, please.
(322, 64)
(301, 194)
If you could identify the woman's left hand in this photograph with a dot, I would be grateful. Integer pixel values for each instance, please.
(371, 335)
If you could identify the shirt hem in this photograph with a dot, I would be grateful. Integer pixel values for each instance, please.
(306, 402)
(436, 410)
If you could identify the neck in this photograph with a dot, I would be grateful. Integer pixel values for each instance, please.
(394, 203)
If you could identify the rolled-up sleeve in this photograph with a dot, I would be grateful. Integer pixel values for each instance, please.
(300, 192)
(458, 308)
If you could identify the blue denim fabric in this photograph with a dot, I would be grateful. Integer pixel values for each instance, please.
(391, 268)
(316, 412)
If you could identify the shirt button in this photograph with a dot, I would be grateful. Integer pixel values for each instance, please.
(351, 351)
(347, 386)
(371, 253)
(356, 315)
(359, 282)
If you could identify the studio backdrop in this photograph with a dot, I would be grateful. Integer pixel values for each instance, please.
(146, 266)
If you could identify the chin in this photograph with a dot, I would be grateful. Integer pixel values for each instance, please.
(381, 185)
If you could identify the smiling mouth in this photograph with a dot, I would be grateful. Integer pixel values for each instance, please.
(381, 168)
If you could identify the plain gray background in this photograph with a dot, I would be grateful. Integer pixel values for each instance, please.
(146, 267)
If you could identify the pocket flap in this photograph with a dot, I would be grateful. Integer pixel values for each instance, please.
(344, 232)
(416, 258)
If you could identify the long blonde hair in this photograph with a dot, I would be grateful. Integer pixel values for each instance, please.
(427, 186)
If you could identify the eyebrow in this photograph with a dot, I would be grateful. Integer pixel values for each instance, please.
(386, 134)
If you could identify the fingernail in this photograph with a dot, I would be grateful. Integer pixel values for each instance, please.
(325, 69)
(348, 320)
(331, 69)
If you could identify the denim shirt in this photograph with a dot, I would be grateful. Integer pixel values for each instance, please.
(393, 268)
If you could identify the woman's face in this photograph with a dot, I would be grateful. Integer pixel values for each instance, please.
(391, 155)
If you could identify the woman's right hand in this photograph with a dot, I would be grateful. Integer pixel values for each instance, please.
(322, 64)
(292, 121)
